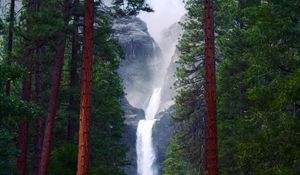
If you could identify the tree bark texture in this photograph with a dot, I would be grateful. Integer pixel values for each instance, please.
(86, 91)
(52, 107)
(23, 127)
(211, 144)
(53, 101)
(38, 142)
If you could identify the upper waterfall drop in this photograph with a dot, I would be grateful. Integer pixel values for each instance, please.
(154, 104)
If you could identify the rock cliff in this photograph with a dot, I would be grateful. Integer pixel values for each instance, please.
(140, 51)
(136, 69)
(142, 60)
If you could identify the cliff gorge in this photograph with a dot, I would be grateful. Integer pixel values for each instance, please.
(142, 61)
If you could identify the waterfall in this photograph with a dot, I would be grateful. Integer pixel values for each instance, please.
(144, 146)
(145, 150)
(153, 105)
(167, 12)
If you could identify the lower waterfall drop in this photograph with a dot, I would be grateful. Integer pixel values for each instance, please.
(144, 145)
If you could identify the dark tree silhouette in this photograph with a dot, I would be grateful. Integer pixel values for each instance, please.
(10, 38)
(23, 128)
(211, 144)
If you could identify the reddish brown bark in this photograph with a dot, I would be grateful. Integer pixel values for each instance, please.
(38, 140)
(86, 90)
(52, 107)
(23, 130)
(26, 96)
(10, 38)
(53, 101)
(38, 118)
(23, 147)
(211, 162)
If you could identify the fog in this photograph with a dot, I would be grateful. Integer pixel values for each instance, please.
(161, 28)
(166, 12)
(156, 58)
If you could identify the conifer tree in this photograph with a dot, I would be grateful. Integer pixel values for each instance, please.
(86, 90)
(211, 144)
(55, 86)
(10, 38)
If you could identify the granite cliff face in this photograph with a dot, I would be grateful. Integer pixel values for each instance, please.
(163, 131)
(141, 62)
(140, 51)
(168, 43)
(164, 128)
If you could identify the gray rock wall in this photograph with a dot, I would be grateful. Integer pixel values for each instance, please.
(141, 59)
(163, 131)
(140, 51)
(136, 69)
(132, 117)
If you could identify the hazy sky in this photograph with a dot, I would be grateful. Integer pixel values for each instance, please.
(166, 13)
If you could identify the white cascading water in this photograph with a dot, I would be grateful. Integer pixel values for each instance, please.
(162, 18)
(153, 105)
(144, 146)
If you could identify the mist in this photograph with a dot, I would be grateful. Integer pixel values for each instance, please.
(166, 13)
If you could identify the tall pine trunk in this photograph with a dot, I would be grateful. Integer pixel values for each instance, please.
(53, 101)
(211, 144)
(38, 118)
(23, 128)
(26, 96)
(74, 77)
(52, 107)
(10, 38)
(38, 139)
(86, 91)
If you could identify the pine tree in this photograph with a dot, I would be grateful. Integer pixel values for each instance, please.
(40, 40)
(55, 86)
(256, 109)
(38, 118)
(211, 144)
(86, 91)
(190, 99)
(10, 37)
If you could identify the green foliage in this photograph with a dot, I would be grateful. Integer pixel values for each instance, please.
(36, 37)
(176, 163)
(1, 27)
(10, 72)
(64, 160)
(184, 155)
(257, 46)
(8, 152)
(15, 107)
(130, 7)
(108, 154)
(258, 111)
(12, 108)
